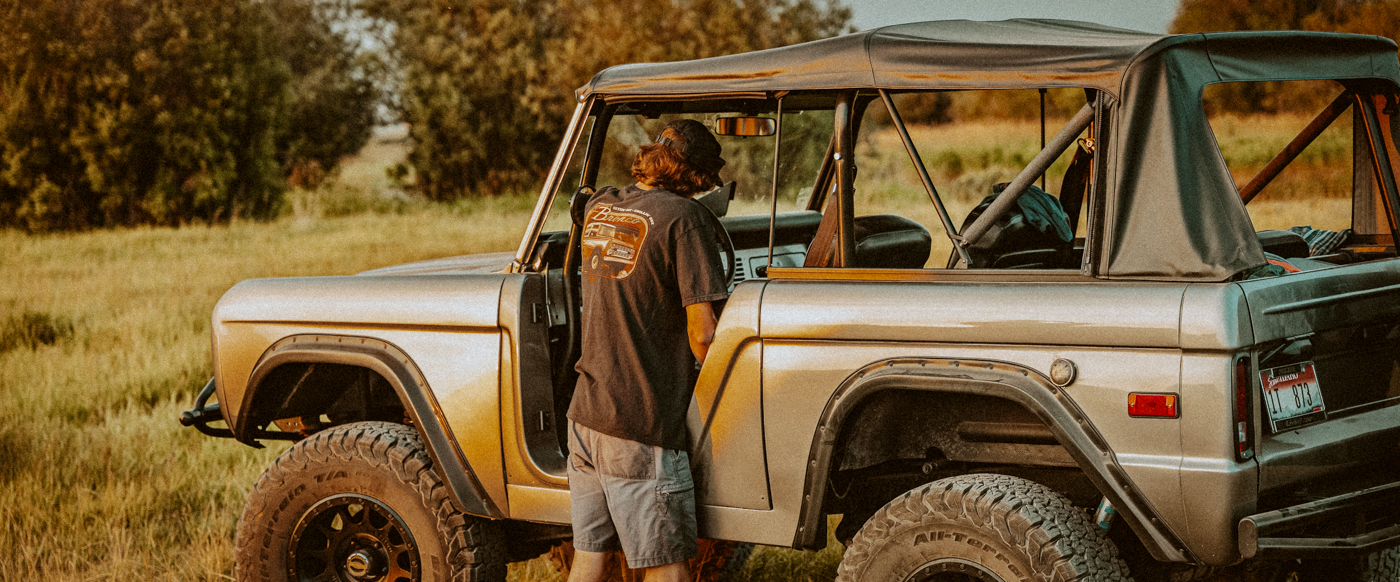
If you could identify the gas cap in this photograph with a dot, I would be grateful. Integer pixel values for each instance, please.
(1063, 372)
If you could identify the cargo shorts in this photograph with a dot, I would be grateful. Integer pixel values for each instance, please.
(630, 496)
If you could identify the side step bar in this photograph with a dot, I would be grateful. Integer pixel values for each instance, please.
(1357, 523)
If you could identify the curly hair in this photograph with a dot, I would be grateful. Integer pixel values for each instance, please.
(662, 166)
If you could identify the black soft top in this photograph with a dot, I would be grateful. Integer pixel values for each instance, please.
(1172, 209)
(966, 54)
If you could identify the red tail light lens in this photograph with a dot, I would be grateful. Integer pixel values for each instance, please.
(1152, 405)
(1244, 431)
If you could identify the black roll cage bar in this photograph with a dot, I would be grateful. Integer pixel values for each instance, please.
(1361, 95)
(848, 124)
(831, 177)
(837, 165)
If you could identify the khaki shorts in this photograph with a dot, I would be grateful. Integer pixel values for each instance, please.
(630, 496)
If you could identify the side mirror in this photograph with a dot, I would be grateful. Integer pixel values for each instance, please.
(745, 126)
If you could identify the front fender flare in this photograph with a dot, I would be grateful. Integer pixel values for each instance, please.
(1003, 380)
(403, 375)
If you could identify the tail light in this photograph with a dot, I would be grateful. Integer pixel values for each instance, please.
(1244, 429)
(1149, 405)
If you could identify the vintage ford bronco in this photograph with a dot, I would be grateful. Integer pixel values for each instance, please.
(975, 386)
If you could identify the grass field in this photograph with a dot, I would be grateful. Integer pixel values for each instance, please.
(104, 339)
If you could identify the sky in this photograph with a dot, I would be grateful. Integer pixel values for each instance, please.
(1144, 15)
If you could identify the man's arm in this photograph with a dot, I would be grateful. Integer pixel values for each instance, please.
(700, 323)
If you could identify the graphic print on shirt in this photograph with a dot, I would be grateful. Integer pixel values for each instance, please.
(612, 238)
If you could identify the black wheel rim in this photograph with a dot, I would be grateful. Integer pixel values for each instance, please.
(952, 570)
(352, 538)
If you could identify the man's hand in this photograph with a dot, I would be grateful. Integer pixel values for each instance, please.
(700, 323)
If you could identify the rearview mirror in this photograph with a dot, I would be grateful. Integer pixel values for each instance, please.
(745, 126)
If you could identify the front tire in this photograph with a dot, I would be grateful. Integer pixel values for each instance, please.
(361, 502)
(991, 528)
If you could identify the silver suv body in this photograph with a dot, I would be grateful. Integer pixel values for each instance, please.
(1230, 394)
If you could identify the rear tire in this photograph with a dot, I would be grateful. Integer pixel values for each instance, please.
(362, 502)
(1382, 566)
(981, 527)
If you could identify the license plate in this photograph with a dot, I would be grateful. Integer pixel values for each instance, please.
(1292, 396)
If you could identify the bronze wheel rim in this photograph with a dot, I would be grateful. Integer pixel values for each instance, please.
(352, 538)
(952, 570)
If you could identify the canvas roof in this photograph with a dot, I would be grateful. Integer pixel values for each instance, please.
(1172, 208)
(950, 54)
(958, 53)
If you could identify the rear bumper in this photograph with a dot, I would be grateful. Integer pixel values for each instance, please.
(1354, 524)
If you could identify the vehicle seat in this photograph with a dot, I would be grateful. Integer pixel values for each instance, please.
(887, 241)
(1015, 241)
(1286, 244)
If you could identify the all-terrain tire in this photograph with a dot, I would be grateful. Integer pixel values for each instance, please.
(1382, 566)
(980, 527)
(361, 497)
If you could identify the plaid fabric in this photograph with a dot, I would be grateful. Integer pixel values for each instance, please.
(1321, 242)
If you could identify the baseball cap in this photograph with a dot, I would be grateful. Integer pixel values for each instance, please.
(695, 143)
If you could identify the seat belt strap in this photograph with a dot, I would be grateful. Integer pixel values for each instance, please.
(1076, 182)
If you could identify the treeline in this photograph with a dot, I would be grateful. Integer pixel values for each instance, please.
(1377, 17)
(163, 112)
(488, 85)
(127, 112)
(131, 112)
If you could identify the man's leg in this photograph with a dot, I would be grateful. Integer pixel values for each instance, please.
(677, 572)
(589, 566)
(655, 514)
(594, 533)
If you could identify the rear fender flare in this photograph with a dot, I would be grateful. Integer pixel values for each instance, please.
(1004, 380)
(403, 375)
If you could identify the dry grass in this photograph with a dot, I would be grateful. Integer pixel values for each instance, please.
(104, 339)
(1323, 170)
(97, 481)
(107, 337)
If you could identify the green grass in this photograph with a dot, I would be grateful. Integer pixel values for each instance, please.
(104, 339)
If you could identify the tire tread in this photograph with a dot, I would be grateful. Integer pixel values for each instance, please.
(1058, 538)
(475, 548)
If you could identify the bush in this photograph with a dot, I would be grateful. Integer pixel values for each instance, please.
(127, 112)
(488, 85)
(331, 104)
(123, 112)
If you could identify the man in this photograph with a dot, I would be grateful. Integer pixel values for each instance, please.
(650, 273)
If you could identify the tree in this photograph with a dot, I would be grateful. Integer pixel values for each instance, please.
(488, 85)
(126, 112)
(331, 104)
(120, 112)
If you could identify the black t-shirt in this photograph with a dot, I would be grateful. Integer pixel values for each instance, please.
(647, 254)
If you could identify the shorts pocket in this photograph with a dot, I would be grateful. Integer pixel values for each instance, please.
(578, 459)
(577, 462)
(675, 472)
(624, 459)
